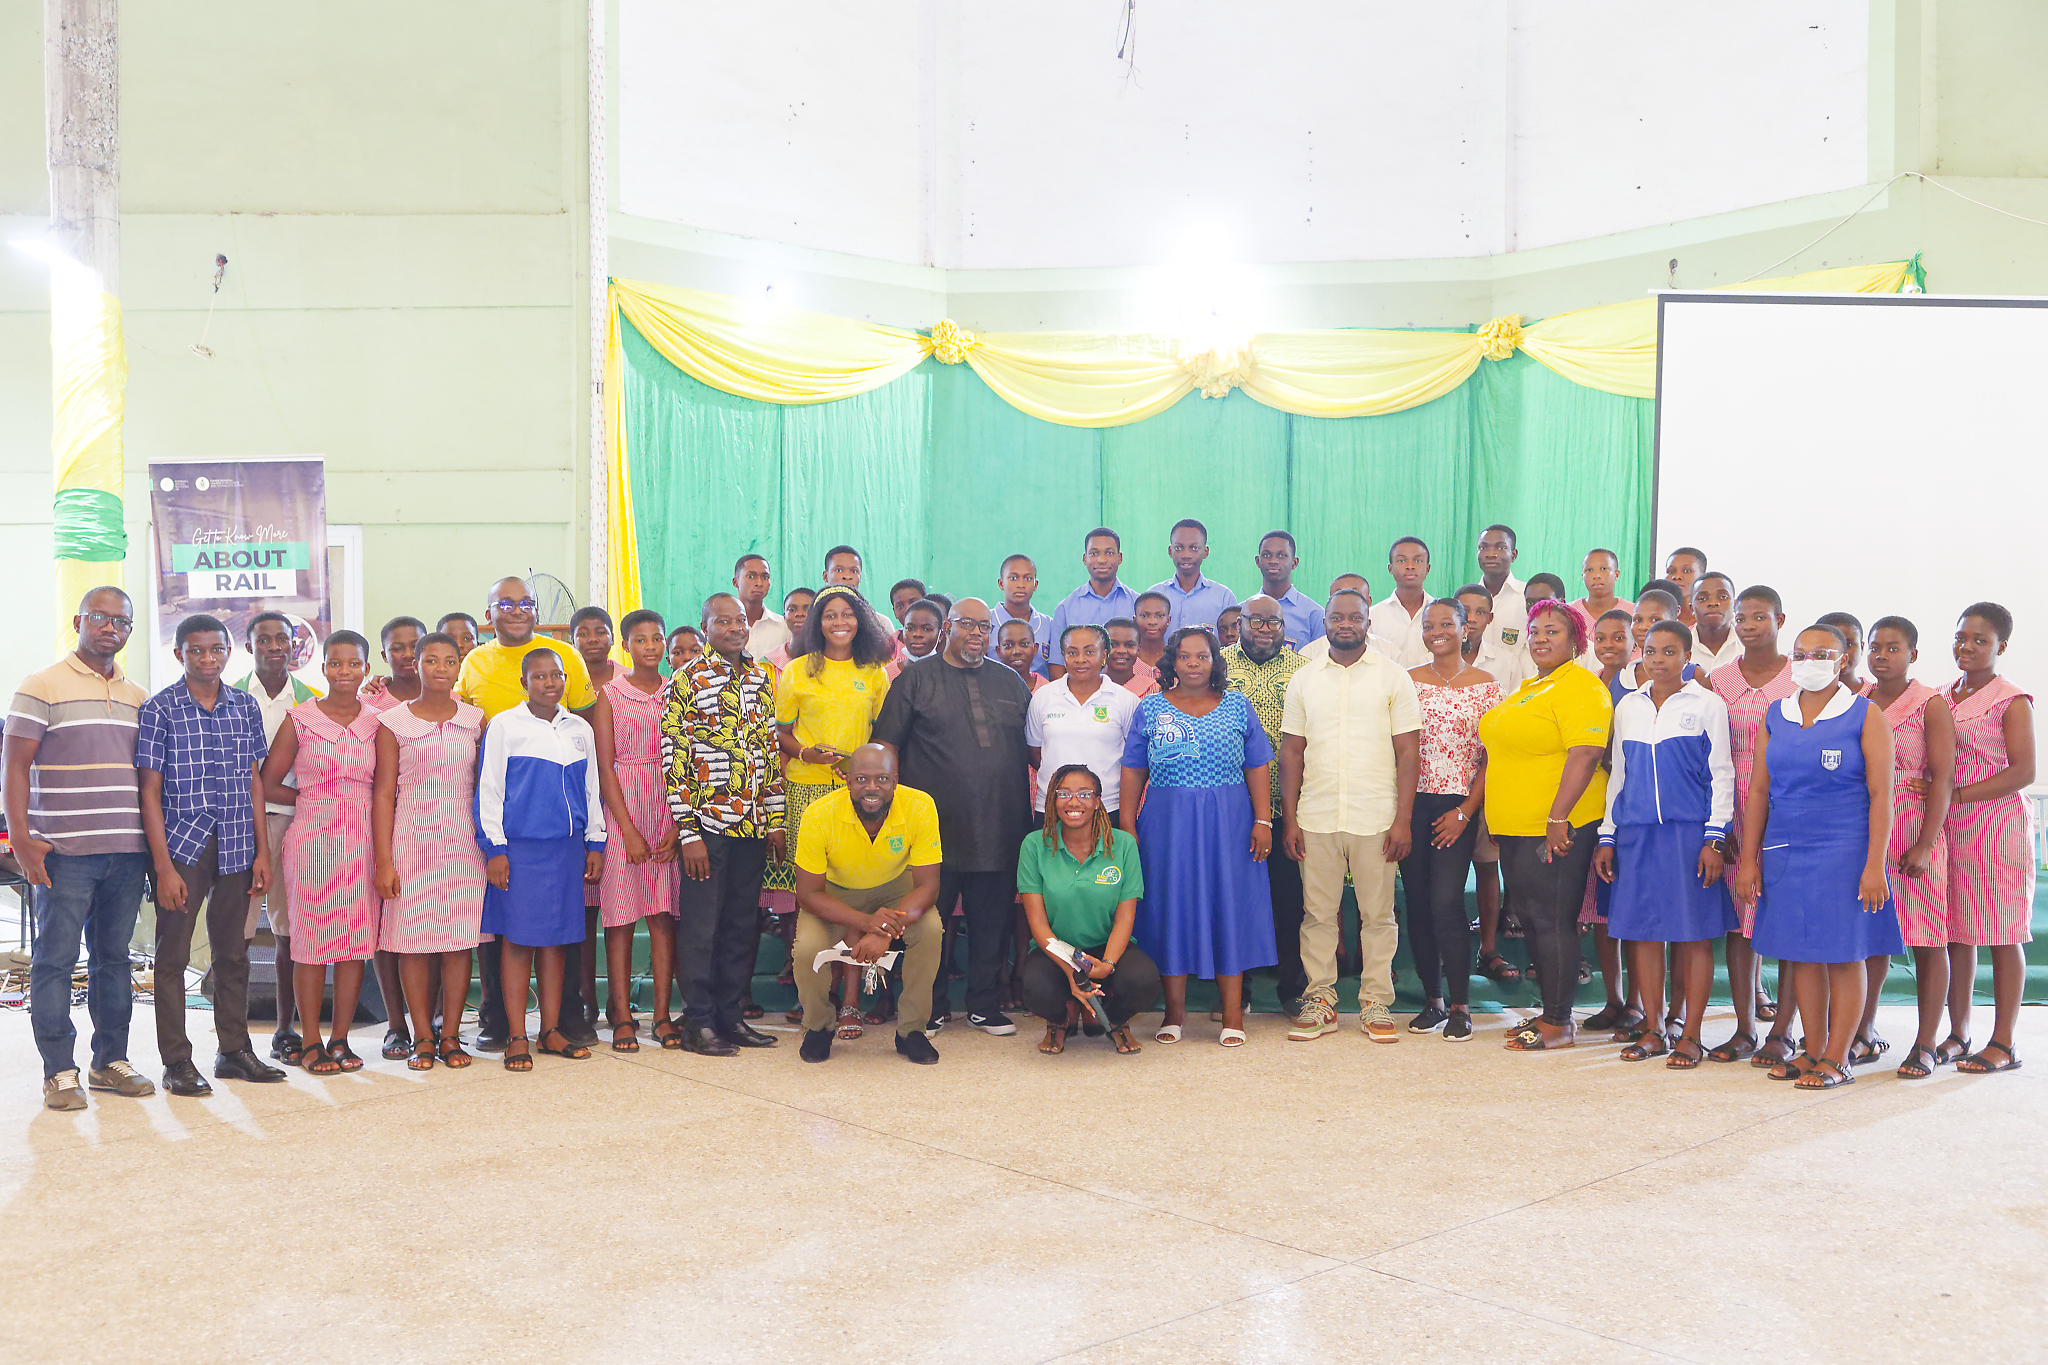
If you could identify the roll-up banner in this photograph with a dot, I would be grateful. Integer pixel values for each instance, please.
(234, 538)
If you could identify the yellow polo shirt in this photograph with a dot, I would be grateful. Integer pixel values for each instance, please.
(834, 844)
(491, 679)
(1527, 735)
(836, 708)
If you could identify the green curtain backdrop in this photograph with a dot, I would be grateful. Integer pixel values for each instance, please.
(937, 478)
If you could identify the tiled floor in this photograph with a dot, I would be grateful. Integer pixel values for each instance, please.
(1282, 1202)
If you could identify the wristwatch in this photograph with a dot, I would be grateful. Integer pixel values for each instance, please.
(1719, 846)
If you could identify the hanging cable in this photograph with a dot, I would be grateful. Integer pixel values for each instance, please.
(1902, 175)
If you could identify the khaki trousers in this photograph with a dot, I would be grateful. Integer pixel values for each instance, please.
(272, 900)
(1330, 856)
(921, 942)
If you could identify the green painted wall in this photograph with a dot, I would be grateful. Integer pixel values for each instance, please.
(400, 191)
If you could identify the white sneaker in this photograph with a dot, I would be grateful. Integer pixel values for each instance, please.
(1318, 1016)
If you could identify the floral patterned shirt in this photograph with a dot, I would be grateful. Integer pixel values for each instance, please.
(1450, 734)
(718, 751)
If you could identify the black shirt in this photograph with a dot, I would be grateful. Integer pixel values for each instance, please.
(959, 735)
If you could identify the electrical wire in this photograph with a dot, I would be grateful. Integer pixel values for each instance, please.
(1902, 175)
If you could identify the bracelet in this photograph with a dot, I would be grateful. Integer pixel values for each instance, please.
(1460, 814)
(1267, 823)
(1555, 821)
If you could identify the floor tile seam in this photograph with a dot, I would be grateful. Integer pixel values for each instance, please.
(1038, 1176)
(1192, 1314)
(1596, 1180)
(1521, 1312)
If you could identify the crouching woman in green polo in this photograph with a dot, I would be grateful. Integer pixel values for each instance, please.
(1081, 882)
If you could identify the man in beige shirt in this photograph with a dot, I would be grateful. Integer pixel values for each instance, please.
(1350, 753)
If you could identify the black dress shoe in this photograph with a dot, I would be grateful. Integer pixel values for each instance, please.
(746, 1035)
(917, 1048)
(183, 1078)
(490, 1042)
(817, 1046)
(703, 1040)
(245, 1066)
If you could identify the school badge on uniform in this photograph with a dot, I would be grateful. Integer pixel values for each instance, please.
(1101, 712)
(895, 843)
(1110, 876)
(860, 685)
(1508, 637)
(1831, 759)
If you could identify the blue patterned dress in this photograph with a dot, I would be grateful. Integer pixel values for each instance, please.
(1207, 909)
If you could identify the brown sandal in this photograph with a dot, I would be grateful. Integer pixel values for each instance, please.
(1054, 1042)
(1125, 1042)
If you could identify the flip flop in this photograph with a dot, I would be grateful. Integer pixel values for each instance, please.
(1125, 1042)
(1531, 1039)
(1231, 1037)
(1055, 1040)
(1168, 1033)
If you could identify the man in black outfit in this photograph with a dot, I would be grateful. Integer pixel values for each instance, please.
(957, 723)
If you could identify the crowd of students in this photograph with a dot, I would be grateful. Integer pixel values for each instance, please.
(1137, 788)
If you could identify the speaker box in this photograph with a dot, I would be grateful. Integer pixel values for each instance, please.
(263, 987)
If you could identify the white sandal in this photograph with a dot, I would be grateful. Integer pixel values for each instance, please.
(1168, 1033)
(1231, 1037)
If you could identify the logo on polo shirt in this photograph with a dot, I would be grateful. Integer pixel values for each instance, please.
(860, 685)
(895, 843)
(1831, 759)
(1110, 876)
(1508, 637)
(1101, 711)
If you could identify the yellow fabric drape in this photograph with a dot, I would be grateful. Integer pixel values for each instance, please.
(622, 540)
(1614, 348)
(764, 351)
(1101, 379)
(89, 372)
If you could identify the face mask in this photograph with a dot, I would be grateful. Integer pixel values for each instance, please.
(1811, 675)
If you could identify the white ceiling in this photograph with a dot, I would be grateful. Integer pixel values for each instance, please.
(976, 136)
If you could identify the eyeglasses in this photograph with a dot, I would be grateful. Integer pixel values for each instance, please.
(1826, 656)
(525, 604)
(100, 618)
(1263, 620)
(972, 627)
(1084, 796)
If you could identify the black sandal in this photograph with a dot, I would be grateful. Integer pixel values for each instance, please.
(518, 1061)
(286, 1048)
(1790, 1070)
(1498, 969)
(626, 1035)
(452, 1053)
(1680, 1059)
(575, 1052)
(1979, 1064)
(1913, 1069)
(1742, 1045)
(1652, 1044)
(422, 1058)
(317, 1060)
(1765, 1058)
(396, 1044)
(1611, 1016)
(1838, 1073)
(1944, 1057)
(1766, 1007)
(346, 1055)
(1873, 1048)
(672, 1041)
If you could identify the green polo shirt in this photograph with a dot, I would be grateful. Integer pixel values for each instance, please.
(1080, 898)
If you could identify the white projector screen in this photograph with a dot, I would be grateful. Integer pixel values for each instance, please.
(1875, 454)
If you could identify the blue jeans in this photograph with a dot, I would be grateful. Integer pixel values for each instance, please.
(95, 896)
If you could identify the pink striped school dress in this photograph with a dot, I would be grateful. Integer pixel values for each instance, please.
(1990, 843)
(329, 864)
(1922, 901)
(629, 893)
(1746, 708)
(440, 901)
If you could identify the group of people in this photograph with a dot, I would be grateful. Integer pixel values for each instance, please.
(1093, 797)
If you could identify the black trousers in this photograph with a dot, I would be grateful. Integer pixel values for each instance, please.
(491, 1019)
(1548, 893)
(1433, 882)
(1131, 989)
(718, 931)
(223, 897)
(988, 907)
(1284, 876)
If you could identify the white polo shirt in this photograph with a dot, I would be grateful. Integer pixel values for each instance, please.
(1711, 659)
(1092, 732)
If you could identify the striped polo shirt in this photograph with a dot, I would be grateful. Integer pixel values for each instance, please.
(83, 795)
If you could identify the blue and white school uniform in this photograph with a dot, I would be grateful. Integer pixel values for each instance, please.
(537, 803)
(1818, 839)
(1672, 789)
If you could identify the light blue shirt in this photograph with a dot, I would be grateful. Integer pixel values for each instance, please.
(1041, 631)
(1082, 607)
(1201, 607)
(1304, 618)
